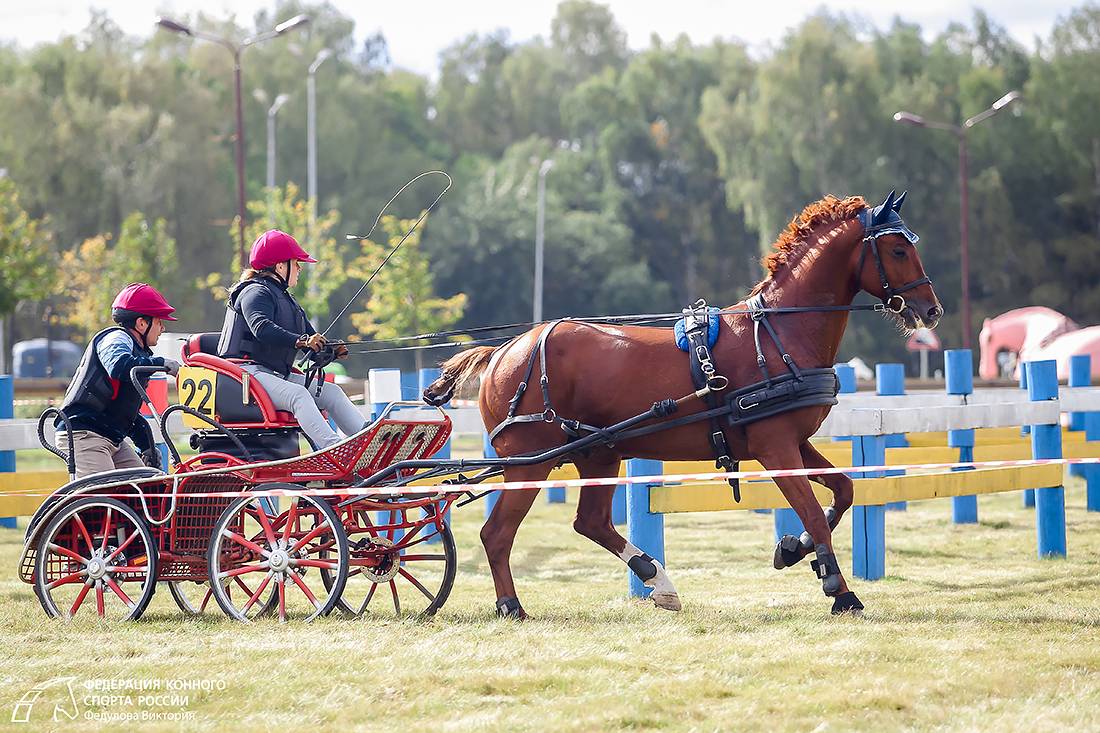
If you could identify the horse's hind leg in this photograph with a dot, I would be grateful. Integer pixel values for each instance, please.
(790, 549)
(499, 532)
(593, 520)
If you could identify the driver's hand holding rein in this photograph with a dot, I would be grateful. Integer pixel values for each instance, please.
(265, 325)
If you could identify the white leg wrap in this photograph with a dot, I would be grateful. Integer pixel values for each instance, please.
(664, 593)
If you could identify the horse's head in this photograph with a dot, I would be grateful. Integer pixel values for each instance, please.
(890, 268)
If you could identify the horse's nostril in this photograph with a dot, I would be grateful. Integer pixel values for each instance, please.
(934, 312)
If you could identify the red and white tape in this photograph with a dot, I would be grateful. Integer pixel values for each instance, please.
(681, 478)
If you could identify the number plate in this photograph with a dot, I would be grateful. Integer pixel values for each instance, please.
(196, 390)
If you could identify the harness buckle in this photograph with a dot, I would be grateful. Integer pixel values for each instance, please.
(901, 303)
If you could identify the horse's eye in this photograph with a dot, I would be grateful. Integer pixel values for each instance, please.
(899, 252)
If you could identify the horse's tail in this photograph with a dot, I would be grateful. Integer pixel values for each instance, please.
(456, 371)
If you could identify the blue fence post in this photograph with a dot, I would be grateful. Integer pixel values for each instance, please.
(890, 382)
(410, 386)
(1029, 494)
(645, 530)
(1046, 442)
(7, 412)
(425, 377)
(958, 366)
(488, 451)
(869, 522)
(1092, 474)
(1080, 375)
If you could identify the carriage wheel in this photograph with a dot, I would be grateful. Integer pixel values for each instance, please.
(97, 553)
(396, 571)
(281, 554)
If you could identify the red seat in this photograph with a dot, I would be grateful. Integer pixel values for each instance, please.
(259, 412)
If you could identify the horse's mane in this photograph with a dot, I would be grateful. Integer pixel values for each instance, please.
(825, 211)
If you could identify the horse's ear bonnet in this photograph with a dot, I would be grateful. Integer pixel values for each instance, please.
(885, 219)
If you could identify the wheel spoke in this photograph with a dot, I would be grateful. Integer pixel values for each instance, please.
(99, 599)
(245, 542)
(417, 558)
(290, 517)
(206, 599)
(310, 536)
(74, 578)
(79, 599)
(106, 530)
(305, 589)
(282, 599)
(326, 564)
(265, 522)
(396, 600)
(370, 595)
(67, 553)
(262, 567)
(123, 546)
(130, 569)
(84, 532)
(408, 576)
(259, 591)
(119, 592)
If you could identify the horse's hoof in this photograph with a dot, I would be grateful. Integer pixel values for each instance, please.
(665, 600)
(847, 603)
(510, 608)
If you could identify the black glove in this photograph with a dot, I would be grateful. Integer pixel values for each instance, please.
(151, 457)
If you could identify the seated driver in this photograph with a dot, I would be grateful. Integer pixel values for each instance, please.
(264, 324)
(101, 402)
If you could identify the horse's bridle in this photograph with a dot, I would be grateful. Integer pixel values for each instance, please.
(890, 294)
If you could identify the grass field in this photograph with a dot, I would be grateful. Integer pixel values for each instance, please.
(969, 631)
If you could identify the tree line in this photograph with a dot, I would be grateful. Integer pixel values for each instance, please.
(674, 166)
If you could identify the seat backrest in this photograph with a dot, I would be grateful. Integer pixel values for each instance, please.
(202, 343)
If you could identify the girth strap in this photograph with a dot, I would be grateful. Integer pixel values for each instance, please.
(704, 374)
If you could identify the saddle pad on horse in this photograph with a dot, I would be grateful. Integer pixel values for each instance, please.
(712, 330)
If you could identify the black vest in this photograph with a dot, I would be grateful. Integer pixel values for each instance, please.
(109, 406)
(237, 340)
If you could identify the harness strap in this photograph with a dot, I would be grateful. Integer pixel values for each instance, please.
(547, 414)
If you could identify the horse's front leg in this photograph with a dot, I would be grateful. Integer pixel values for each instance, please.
(797, 491)
(790, 549)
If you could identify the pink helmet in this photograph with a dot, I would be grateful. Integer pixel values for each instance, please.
(273, 247)
(140, 299)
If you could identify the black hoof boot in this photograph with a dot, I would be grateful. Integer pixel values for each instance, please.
(847, 603)
(827, 569)
(790, 550)
(510, 608)
(832, 517)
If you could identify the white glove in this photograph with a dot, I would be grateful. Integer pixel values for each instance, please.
(172, 366)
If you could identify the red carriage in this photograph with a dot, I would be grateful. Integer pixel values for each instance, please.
(217, 526)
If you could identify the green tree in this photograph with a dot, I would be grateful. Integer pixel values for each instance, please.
(93, 273)
(25, 251)
(402, 298)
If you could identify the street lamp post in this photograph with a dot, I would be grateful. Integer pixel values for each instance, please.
(311, 131)
(272, 114)
(540, 226)
(236, 48)
(908, 118)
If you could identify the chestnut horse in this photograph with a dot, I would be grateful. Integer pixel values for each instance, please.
(601, 374)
